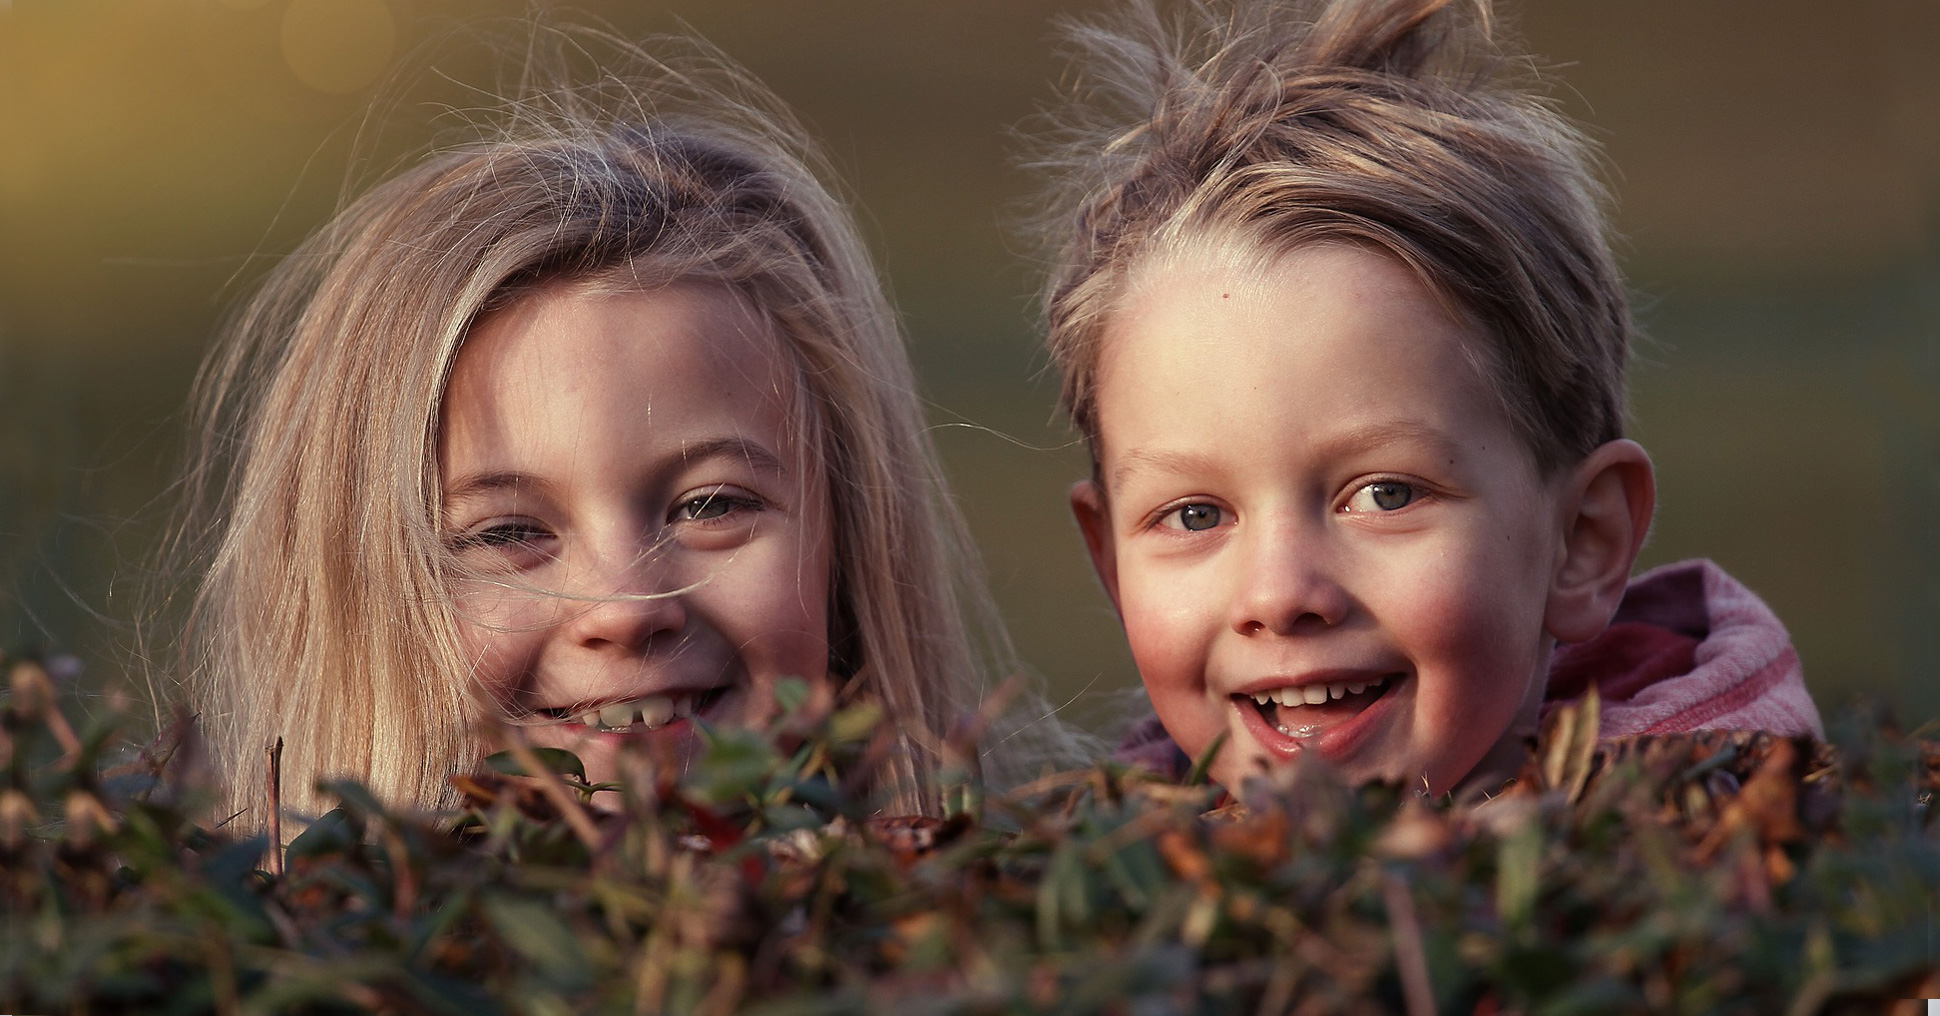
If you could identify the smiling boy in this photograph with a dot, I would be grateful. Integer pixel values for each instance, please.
(1339, 321)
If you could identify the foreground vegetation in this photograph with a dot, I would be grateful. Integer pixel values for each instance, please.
(1693, 874)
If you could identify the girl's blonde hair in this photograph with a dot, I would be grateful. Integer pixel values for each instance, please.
(1394, 125)
(324, 616)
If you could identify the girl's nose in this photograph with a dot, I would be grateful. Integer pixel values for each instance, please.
(1286, 583)
(630, 607)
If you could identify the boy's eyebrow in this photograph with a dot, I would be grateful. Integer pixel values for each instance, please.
(1373, 435)
(1140, 460)
(1387, 432)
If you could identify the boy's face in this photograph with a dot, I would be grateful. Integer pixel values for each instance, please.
(1316, 522)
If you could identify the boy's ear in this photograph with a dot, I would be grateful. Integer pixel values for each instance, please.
(1607, 503)
(1094, 521)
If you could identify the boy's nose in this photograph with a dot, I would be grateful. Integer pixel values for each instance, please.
(630, 605)
(1286, 585)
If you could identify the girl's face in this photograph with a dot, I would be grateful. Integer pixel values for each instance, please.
(640, 537)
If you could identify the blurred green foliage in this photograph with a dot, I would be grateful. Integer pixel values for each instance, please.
(1707, 873)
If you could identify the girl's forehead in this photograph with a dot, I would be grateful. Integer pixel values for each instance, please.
(650, 335)
(598, 372)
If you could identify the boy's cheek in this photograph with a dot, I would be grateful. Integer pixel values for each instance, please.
(1476, 693)
(1171, 662)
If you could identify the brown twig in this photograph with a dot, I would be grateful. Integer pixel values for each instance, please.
(276, 808)
(1410, 957)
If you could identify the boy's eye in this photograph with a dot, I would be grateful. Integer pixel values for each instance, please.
(1382, 496)
(1195, 517)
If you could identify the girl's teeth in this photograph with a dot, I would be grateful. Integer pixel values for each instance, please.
(650, 712)
(656, 710)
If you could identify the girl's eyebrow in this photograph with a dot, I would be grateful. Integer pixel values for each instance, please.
(481, 484)
(756, 455)
(741, 449)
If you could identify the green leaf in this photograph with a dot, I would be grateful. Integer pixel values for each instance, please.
(1517, 875)
(790, 693)
(556, 760)
(1203, 764)
(855, 723)
(535, 932)
(333, 832)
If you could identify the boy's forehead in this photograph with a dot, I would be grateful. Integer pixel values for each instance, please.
(1249, 263)
(1345, 338)
(1240, 260)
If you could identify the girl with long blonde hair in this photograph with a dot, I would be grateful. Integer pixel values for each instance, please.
(596, 424)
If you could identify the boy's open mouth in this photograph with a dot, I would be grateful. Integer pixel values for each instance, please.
(649, 712)
(1306, 710)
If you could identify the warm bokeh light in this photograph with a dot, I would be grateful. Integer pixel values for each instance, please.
(338, 46)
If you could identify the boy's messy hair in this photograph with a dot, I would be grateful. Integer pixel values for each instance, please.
(325, 614)
(1389, 124)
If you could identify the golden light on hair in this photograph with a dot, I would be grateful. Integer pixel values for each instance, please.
(338, 46)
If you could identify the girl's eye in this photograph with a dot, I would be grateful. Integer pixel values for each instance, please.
(713, 505)
(513, 533)
(1382, 496)
(1195, 517)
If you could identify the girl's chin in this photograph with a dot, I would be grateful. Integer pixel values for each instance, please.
(625, 756)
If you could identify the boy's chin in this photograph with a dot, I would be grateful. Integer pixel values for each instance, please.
(1399, 767)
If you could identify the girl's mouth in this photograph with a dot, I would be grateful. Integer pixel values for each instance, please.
(649, 712)
(1304, 711)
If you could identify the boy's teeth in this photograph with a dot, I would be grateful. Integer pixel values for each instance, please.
(1314, 694)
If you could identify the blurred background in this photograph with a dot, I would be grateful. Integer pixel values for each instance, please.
(1777, 166)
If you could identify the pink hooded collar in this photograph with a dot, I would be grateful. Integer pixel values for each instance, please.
(1689, 649)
